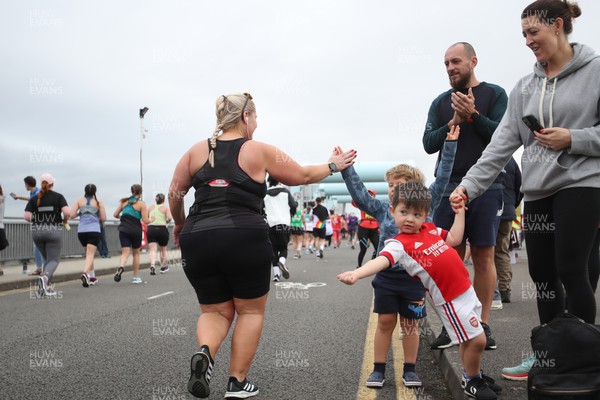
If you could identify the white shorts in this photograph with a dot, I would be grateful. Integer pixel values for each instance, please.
(462, 317)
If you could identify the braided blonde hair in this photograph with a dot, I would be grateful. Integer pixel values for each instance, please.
(229, 113)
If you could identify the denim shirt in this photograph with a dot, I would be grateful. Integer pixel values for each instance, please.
(381, 209)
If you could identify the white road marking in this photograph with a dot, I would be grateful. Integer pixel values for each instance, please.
(159, 295)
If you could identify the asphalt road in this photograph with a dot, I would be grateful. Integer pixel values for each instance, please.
(120, 341)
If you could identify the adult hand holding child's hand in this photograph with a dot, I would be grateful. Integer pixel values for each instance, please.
(458, 198)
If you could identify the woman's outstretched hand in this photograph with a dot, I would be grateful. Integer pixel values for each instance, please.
(342, 159)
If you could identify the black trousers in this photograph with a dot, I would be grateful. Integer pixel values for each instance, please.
(560, 232)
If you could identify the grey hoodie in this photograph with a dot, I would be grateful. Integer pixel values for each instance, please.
(572, 101)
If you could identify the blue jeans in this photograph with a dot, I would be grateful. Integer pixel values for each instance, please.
(39, 259)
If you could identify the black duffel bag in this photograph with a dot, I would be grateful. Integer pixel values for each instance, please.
(567, 366)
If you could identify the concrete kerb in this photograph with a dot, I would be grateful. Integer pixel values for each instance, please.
(448, 359)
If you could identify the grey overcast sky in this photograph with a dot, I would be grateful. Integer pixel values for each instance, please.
(360, 74)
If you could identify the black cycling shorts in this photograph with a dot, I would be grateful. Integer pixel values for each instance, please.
(158, 234)
(319, 233)
(225, 263)
(86, 238)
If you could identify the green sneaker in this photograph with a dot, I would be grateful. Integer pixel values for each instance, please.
(520, 372)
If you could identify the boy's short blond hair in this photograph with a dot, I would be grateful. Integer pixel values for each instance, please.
(410, 173)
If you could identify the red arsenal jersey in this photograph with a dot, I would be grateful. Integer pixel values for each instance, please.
(427, 257)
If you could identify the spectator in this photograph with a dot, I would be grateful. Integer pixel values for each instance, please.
(477, 107)
(102, 245)
(561, 179)
(397, 295)
(3, 241)
(512, 196)
(30, 186)
(441, 270)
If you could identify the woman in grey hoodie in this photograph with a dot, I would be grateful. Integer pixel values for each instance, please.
(560, 163)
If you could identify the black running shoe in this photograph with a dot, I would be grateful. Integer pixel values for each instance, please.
(201, 371)
(491, 383)
(85, 280)
(490, 341)
(284, 271)
(119, 273)
(477, 388)
(489, 380)
(443, 341)
(152, 270)
(240, 390)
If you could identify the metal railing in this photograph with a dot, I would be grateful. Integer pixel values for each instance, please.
(18, 234)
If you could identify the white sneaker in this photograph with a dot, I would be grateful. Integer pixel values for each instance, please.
(276, 278)
(496, 305)
(42, 285)
(136, 279)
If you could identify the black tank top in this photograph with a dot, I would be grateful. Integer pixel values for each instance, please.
(226, 197)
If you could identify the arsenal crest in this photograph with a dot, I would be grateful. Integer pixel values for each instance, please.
(474, 322)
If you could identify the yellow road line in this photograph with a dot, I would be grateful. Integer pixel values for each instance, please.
(402, 392)
(365, 393)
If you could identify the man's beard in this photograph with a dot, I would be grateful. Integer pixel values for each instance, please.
(462, 82)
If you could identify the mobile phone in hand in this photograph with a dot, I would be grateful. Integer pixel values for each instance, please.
(532, 123)
(13, 195)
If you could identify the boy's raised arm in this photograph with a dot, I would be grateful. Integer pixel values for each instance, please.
(457, 231)
(360, 195)
(442, 176)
